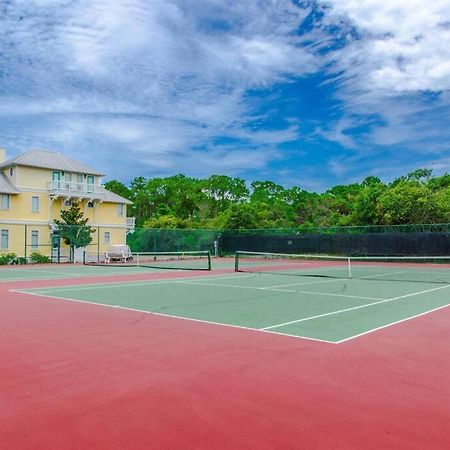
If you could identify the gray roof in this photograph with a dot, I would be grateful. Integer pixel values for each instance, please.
(111, 197)
(5, 186)
(49, 160)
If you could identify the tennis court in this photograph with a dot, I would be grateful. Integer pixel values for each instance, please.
(244, 355)
(318, 302)
(63, 271)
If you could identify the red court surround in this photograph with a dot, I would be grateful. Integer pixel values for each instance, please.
(80, 376)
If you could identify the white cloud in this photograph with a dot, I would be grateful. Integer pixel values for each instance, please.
(168, 83)
(402, 45)
(393, 83)
(157, 77)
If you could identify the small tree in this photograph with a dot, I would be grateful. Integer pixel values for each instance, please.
(73, 228)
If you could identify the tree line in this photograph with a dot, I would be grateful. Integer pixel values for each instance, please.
(222, 202)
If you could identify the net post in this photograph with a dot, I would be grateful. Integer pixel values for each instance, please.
(84, 257)
(349, 264)
(236, 262)
(138, 263)
(209, 260)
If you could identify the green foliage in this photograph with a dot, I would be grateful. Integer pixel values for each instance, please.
(118, 188)
(406, 202)
(266, 192)
(365, 209)
(165, 221)
(240, 216)
(8, 258)
(221, 202)
(73, 228)
(38, 258)
(11, 258)
(21, 260)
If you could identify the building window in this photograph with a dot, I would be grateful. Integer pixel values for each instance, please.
(120, 209)
(35, 204)
(79, 182)
(34, 239)
(68, 203)
(90, 183)
(4, 240)
(11, 171)
(90, 204)
(68, 180)
(56, 178)
(5, 201)
(107, 237)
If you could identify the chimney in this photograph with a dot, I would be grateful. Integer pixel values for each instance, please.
(2, 155)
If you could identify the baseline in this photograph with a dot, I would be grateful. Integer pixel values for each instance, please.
(142, 311)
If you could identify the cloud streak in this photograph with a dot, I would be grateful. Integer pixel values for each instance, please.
(211, 85)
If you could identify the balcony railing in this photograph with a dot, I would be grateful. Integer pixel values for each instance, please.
(130, 223)
(71, 189)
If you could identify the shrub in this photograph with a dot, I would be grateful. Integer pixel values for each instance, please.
(37, 258)
(7, 258)
(20, 260)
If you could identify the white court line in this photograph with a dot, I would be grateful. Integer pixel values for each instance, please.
(354, 307)
(25, 272)
(8, 280)
(194, 282)
(119, 284)
(198, 283)
(392, 323)
(291, 291)
(335, 280)
(63, 275)
(99, 285)
(339, 295)
(176, 317)
(63, 272)
(234, 286)
(380, 275)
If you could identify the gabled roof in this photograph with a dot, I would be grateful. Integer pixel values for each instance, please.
(49, 160)
(111, 197)
(5, 186)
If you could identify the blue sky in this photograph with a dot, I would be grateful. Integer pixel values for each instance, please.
(297, 92)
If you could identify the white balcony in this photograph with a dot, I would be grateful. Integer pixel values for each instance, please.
(130, 224)
(76, 190)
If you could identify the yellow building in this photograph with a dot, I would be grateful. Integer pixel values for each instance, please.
(37, 185)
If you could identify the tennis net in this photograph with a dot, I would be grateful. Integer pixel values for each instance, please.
(195, 260)
(429, 269)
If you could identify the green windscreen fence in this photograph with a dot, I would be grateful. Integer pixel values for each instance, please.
(173, 240)
(408, 240)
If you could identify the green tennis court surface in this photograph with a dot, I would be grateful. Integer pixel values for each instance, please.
(59, 271)
(63, 271)
(331, 310)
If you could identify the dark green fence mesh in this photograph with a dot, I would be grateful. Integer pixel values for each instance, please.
(383, 240)
(405, 240)
(172, 240)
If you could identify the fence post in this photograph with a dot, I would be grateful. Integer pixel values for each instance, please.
(25, 241)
